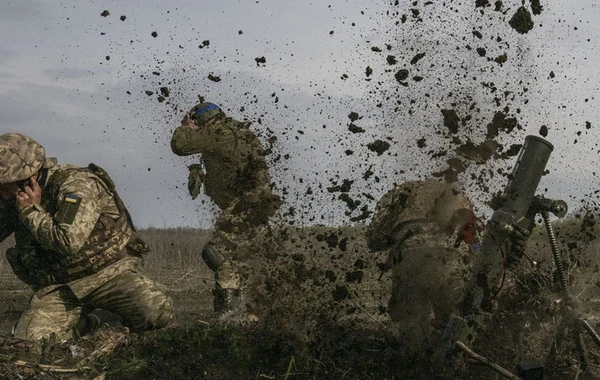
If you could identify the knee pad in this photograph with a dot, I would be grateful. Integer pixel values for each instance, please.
(212, 257)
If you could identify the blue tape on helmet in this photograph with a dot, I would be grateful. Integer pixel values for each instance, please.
(205, 109)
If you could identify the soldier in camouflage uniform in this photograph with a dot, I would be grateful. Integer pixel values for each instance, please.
(236, 178)
(429, 229)
(75, 245)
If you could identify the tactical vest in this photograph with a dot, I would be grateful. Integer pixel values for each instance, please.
(109, 241)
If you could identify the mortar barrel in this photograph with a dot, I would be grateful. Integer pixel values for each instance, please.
(526, 176)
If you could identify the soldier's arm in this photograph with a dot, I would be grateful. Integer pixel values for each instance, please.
(186, 141)
(80, 201)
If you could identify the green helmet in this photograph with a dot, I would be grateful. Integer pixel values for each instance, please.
(20, 157)
(203, 112)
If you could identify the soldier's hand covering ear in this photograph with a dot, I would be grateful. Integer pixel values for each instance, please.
(31, 194)
(195, 179)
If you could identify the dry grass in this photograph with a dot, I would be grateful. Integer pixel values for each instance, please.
(314, 266)
(176, 259)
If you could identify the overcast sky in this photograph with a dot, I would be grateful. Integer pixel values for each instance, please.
(76, 81)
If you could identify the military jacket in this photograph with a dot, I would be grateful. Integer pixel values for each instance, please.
(421, 208)
(77, 230)
(232, 155)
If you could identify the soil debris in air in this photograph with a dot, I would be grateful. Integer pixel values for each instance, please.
(521, 20)
(378, 146)
(355, 128)
(536, 7)
(260, 60)
(417, 58)
(451, 120)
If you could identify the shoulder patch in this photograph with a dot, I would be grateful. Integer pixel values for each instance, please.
(68, 209)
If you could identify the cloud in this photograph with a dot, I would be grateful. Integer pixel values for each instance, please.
(67, 73)
(66, 94)
(6, 55)
(25, 11)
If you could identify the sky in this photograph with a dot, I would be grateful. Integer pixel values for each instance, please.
(77, 81)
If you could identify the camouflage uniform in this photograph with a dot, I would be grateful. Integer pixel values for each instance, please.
(429, 229)
(237, 180)
(78, 251)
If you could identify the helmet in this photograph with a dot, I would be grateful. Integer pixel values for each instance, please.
(20, 157)
(203, 112)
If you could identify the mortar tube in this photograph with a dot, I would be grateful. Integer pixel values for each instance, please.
(490, 266)
(526, 176)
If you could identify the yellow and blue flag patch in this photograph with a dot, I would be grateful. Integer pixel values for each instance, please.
(68, 209)
(71, 198)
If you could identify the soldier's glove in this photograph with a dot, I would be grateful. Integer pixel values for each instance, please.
(195, 179)
(394, 258)
(395, 254)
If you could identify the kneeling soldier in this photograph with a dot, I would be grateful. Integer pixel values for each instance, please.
(76, 245)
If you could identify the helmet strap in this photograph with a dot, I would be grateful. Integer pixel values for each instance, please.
(43, 176)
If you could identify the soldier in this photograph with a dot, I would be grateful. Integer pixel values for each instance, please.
(236, 178)
(429, 229)
(75, 245)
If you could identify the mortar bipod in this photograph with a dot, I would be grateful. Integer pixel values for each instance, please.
(559, 208)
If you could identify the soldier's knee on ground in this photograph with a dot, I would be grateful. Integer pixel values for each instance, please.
(39, 334)
(55, 313)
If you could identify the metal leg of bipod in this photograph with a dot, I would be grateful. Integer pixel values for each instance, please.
(590, 331)
(565, 290)
(582, 348)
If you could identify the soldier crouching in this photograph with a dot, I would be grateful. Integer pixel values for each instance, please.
(429, 229)
(75, 246)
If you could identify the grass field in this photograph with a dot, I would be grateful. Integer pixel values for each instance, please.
(324, 315)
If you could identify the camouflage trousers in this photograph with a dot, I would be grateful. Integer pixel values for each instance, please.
(234, 250)
(233, 243)
(140, 301)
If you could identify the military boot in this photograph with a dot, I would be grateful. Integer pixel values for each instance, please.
(88, 324)
(229, 308)
(227, 302)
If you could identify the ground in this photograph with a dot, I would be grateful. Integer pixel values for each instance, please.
(322, 311)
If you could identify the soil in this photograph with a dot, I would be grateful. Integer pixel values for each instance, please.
(322, 308)
(378, 146)
(521, 21)
(321, 297)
